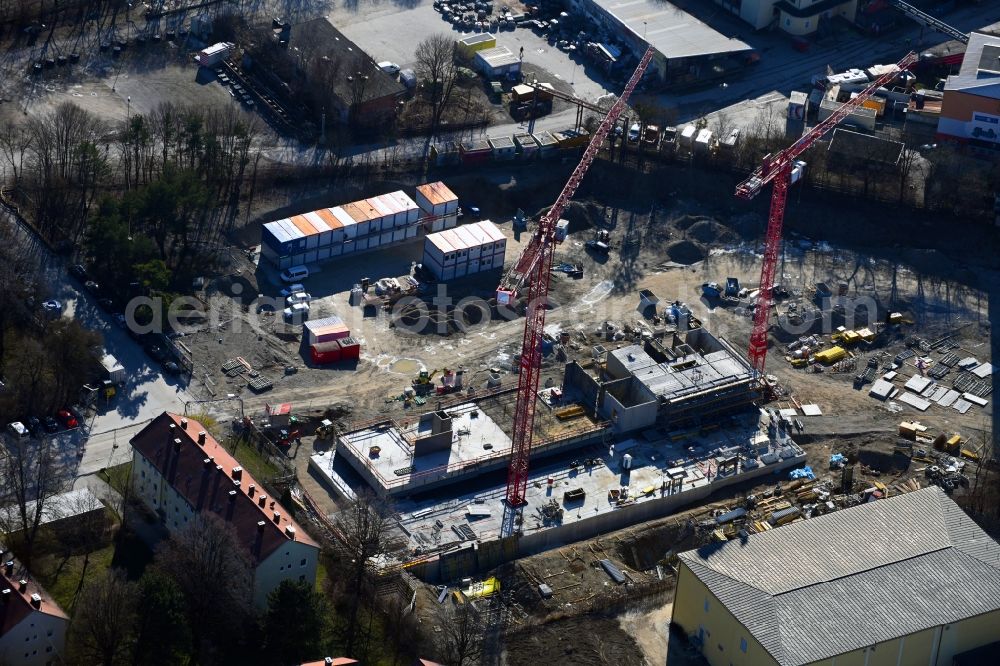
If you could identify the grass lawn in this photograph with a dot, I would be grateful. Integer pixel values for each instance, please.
(64, 576)
(255, 462)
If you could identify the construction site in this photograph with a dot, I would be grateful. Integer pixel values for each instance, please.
(643, 377)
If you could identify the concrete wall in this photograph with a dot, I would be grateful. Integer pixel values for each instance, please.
(578, 380)
(633, 408)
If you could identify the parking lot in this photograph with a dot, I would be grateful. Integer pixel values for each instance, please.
(388, 32)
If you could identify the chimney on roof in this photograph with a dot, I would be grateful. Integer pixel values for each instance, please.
(277, 517)
(290, 532)
(9, 567)
(208, 463)
(260, 525)
(232, 495)
(237, 484)
(184, 424)
(262, 500)
(201, 437)
(36, 600)
(328, 660)
(251, 489)
(22, 585)
(218, 468)
(177, 444)
(237, 473)
(5, 595)
(171, 429)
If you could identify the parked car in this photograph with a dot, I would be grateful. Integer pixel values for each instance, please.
(298, 310)
(79, 272)
(51, 425)
(292, 289)
(294, 274)
(298, 297)
(389, 67)
(67, 418)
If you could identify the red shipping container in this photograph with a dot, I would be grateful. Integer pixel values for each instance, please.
(326, 352)
(350, 349)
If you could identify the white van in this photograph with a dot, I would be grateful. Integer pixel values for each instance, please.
(294, 274)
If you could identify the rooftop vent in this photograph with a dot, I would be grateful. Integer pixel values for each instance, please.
(22, 585)
(277, 517)
(208, 463)
(237, 473)
(36, 600)
(201, 437)
(9, 566)
(232, 495)
(262, 500)
(184, 424)
(260, 525)
(177, 444)
(251, 489)
(290, 532)
(5, 594)
(218, 468)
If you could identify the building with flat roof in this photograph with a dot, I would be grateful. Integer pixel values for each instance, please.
(465, 250)
(970, 108)
(179, 470)
(497, 62)
(32, 625)
(691, 375)
(687, 49)
(796, 17)
(907, 580)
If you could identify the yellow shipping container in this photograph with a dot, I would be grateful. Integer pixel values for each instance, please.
(831, 355)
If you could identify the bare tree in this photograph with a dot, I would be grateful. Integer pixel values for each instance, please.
(463, 636)
(15, 141)
(213, 571)
(364, 525)
(30, 478)
(104, 620)
(435, 65)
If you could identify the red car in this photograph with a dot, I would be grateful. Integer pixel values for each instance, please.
(68, 420)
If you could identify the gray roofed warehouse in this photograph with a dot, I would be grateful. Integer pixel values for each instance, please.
(902, 580)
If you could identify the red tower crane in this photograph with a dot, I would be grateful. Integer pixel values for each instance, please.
(777, 168)
(534, 268)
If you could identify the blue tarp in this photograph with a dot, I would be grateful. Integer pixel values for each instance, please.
(837, 459)
(803, 473)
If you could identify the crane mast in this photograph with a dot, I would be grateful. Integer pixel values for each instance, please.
(534, 268)
(777, 169)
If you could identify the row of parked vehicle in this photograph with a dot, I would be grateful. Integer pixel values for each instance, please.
(479, 16)
(155, 345)
(61, 421)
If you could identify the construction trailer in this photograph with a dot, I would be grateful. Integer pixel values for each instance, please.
(439, 206)
(464, 250)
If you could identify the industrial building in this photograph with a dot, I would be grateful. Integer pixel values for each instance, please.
(692, 375)
(796, 17)
(359, 226)
(970, 108)
(687, 50)
(906, 580)
(498, 62)
(179, 470)
(465, 250)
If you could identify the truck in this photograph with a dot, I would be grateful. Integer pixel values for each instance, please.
(114, 375)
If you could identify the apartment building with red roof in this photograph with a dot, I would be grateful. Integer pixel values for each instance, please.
(32, 625)
(179, 470)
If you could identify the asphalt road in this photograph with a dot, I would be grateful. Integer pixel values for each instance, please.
(146, 393)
